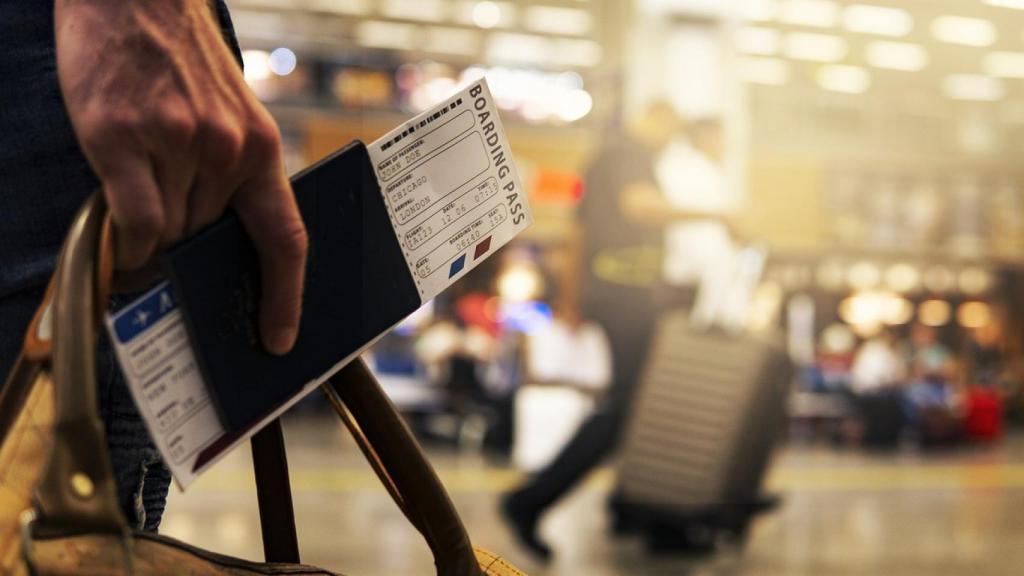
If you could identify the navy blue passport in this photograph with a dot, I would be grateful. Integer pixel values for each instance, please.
(357, 286)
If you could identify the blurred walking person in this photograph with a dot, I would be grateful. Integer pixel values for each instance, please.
(622, 215)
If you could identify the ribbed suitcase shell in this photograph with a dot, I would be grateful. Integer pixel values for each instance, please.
(706, 418)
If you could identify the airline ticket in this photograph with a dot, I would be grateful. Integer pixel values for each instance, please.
(453, 196)
(451, 188)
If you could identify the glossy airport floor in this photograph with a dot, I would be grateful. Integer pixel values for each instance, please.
(844, 512)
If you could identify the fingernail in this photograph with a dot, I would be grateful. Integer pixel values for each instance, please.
(281, 341)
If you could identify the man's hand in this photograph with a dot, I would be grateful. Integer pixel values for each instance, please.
(167, 122)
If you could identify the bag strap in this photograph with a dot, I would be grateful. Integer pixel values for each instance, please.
(274, 495)
(399, 462)
(395, 456)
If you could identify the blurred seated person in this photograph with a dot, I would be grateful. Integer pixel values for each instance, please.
(570, 351)
(877, 365)
(878, 373)
(934, 404)
(932, 372)
(455, 349)
(833, 361)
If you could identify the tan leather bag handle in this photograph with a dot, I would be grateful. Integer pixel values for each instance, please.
(77, 490)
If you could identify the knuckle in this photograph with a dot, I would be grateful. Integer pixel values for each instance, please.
(223, 140)
(110, 126)
(176, 126)
(264, 140)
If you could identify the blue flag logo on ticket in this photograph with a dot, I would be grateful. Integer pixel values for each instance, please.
(144, 313)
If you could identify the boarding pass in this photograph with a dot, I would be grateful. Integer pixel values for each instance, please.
(453, 196)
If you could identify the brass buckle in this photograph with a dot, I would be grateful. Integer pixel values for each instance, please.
(28, 520)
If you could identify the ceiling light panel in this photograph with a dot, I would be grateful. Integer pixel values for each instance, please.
(965, 31)
(877, 20)
(896, 55)
(486, 14)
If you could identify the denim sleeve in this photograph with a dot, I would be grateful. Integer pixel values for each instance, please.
(44, 179)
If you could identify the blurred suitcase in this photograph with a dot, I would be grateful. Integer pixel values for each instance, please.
(984, 415)
(709, 411)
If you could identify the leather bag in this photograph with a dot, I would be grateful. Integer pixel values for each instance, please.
(58, 505)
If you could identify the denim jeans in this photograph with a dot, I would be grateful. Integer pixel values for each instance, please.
(44, 178)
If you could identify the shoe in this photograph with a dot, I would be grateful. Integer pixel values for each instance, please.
(622, 519)
(695, 540)
(524, 526)
(765, 503)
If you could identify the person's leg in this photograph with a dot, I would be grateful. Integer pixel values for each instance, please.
(142, 478)
(596, 438)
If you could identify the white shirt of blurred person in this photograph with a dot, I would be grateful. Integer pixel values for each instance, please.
(570, 352)
(877, 366)
(569, 367)
(691, 173)
(834, 357)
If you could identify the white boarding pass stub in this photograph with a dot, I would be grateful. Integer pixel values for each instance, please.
(156, 358)
(453, 196)
(451, 187)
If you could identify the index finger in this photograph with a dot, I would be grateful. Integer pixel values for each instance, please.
(267, 209)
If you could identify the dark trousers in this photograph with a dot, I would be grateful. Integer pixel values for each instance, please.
(628, 318)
